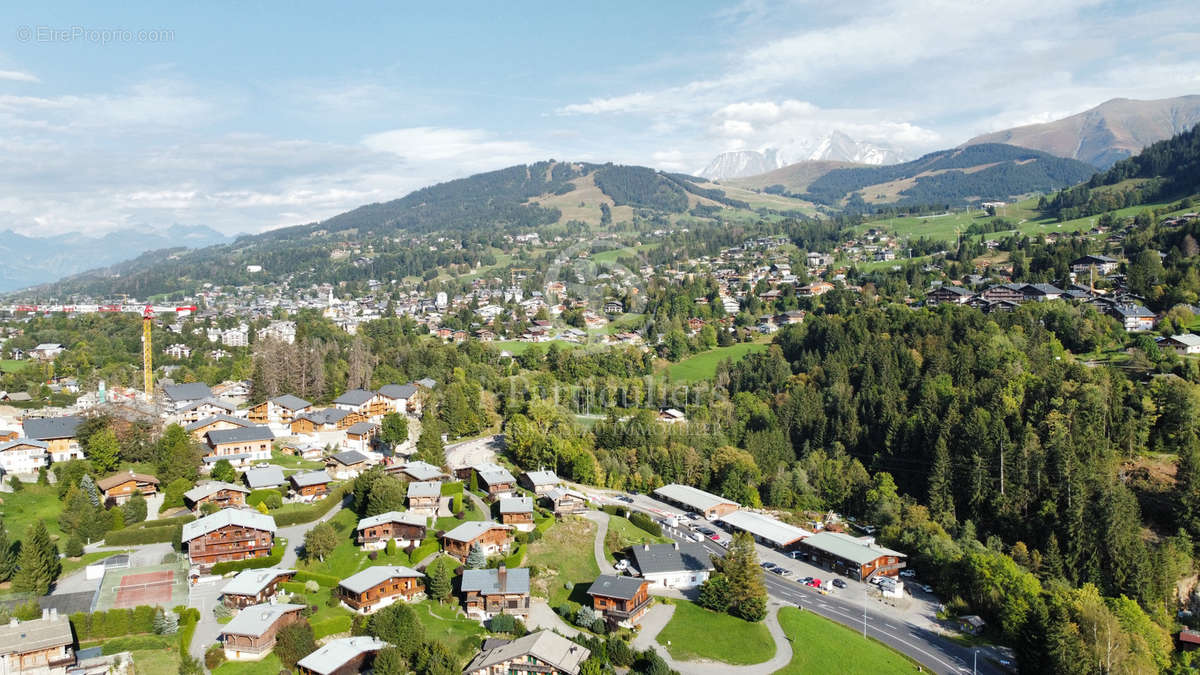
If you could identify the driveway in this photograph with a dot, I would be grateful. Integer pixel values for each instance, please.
(474, 451)
(295, 534)
(660, 615)
(600, 518)
(541, 616)
(205, 596)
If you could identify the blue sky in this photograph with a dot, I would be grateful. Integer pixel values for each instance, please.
(250, 116)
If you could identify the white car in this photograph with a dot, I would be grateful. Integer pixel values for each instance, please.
(621, 565)
(908, 573)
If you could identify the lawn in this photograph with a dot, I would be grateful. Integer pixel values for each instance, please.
(564, 554)
(270, 664)
(697, 633)
(622, 534)
(294, 462)
(155, 661)
(822, 646)
(70, 565)
(448, 523)
(445, 623)
(36, 502)
(703, 366)
(13, 365)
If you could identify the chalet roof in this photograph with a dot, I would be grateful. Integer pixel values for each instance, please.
(354, 397)
(270, 476)
(191, 391)
(424, 489)
(360, 428)
(487, 581)
(337, 653)
(422, 471)
(226, 517)
(252, 582)
(848, 548)
(539, 478)
(17, 442)
(49, 428)
(349, 458)
(290, 402)
(667, 558)
(238, 421)
(612, 586)
(240, 435)
(473, 529)
(29, 636)
(402, 517)
(325, 415)
(516, 505)
(426, 382)
(1041, 289)
(494, 474)
(227, 407)
(398, 391)
(547, 647)
(118, 478)
(258, 619)
(211, 487)
(309, 478)
(555, 494)
(1186, 339)
(373, 576)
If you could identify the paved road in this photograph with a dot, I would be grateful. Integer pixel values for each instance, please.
(295, 534)
(658, 617)
(600, 518)
(918, 642)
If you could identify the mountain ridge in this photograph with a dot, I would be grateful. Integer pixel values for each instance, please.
(835, 146)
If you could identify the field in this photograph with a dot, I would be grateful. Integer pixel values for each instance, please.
(36, 502)
(294, 462)
(564, 554)
(12, 365)
(702, 366)
(611, 255)
(270, 664)
(155, 661)
(845, 650)
(444, 623)
(697, 633)
(622, 534)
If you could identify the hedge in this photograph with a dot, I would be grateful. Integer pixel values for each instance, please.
(313, 511)
(188, 618)
(646, 523)
(327, 580)
(253, 563)
(518, 556)
(334, 624)
(427, 547)
(165, 522)
(113, 623)
(138, 536)
(614, 510)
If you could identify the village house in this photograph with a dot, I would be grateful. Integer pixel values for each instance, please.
(58, 433)
(199, 410)
(495, 480)
(347, 465)
(676, 565)
(264, 477)
(380, 586)
(47, 351)
(856, 558)
(947, 293)
(361, 437)
(1187, 343)
(621, 601)
(543, 652)
(253, 587)
(118, 488)
(424, 498)
(342, 656)
(229, 534)
(42, 646)
(1042, 292)
(1134, 318)
(326, 419)
(199, 430)
(23, 457)
(215, 492)
(671, 416)
(250, 636)
(1102, 264)
(364, 402)
(419, 472)
(492, 538)
(406, 527)
(180, 395)
(279, 410)
(242, 446)
(518, 512)
(488, 592)
(563, 501)
(310, 485)
(539, 482)
(401, 399)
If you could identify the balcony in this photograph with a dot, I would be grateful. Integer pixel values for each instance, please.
(623, 614)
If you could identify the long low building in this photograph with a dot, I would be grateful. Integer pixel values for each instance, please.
(855, 558)
(687, 497)
(766, 530)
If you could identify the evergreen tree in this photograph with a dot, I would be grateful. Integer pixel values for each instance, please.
(135, 509)
(8, 554)
(387, 494)
(476, 560)
(88, 486)
(391, 661)
(941, 498)
(38, 565)
(399, 625)
(714, 593)
(294, 642)
(429, 444)
(177, 455)
(439, 582)
(747, 592)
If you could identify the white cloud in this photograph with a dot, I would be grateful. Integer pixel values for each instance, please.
(18, 76)
(433, 144)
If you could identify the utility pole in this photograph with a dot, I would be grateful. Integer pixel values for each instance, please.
(975, 663)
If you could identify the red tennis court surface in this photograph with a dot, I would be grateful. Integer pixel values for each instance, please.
(150, 588)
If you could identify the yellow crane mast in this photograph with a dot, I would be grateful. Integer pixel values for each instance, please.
(147, 355)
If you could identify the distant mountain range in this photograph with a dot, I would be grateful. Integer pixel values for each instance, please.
(835, 146)
(34, 260)
(1109, 132)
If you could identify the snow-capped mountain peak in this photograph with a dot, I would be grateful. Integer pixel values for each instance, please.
(835, 146)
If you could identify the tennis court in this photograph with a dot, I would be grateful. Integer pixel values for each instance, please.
(164, 584)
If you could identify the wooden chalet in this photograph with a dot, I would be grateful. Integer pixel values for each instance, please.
(215, 492)
(37, 646)
(424, 498)
(492, 538)
(241, 446)
(250, 636)
(253, 587)
(278, 410)
(342, 656)
(406, 527)
(380, 586)
(229, 534)
(118, 488)
(543, 652)
(488, 592)
(622, 601)
(563, 501)
(199, 430)
(310, 484)
(518, 512)
(366, 403)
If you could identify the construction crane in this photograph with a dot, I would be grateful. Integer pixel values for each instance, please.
(146, 311)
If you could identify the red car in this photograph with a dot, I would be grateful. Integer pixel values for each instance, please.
(815, 583)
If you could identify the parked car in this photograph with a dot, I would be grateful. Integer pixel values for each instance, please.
(839, 583)
(927, 588)
(697, 537)
(908, 573)
(805, 580)
(877, 580)
(706, 531)
(715, 537)
(796, 555)
(767, 564)
(781, 571)
(625, 498)
(621, 565)
(815, 583)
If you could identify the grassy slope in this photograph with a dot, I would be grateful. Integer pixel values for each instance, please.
(822, 646)
(155, 661)
(34, 503)
(623, 534)
(564, 554)
(704, 365)
(444, 623)
(697, 633)
(270, 664)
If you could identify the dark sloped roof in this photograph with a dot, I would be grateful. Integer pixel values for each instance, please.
(190, 391)
(290, 402)
(46, 428)
(405, 391)
(349, 457)
(661, 558)
(354, 397)
(240, 435)
(612, 586)
(219, 418)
